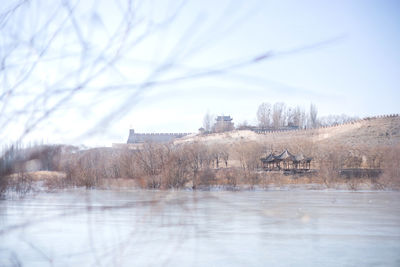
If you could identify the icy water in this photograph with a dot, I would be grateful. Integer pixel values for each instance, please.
(147, 228)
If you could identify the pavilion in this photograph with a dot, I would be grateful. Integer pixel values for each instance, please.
(286, 161)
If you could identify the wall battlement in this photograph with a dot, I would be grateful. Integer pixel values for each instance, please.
(156, 134)
(331, 126)
(153, 137)
(135, 138)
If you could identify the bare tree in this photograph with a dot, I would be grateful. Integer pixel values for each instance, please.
(279, 115)
(77, 56)
(313, 115)
(197, 154)
(72, 55)
(278, 118)
(207, 122)
(249, 154)
(290, 117)
(264, 115)
(297, 120)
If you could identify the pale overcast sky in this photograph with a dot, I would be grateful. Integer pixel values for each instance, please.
(343, 56)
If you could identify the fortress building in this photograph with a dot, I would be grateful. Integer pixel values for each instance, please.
(135, 138)
(223, 124)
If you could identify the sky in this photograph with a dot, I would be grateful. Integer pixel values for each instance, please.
(342, 56)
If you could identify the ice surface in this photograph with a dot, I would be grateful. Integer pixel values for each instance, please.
(165, 228)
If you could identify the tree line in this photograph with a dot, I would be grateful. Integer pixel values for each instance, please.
(279, 115)
(198, 165)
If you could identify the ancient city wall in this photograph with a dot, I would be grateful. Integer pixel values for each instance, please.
(329, 127)
(153, 137)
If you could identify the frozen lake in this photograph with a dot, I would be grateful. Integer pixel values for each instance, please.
(149, 228)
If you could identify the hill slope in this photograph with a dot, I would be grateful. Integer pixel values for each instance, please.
(382, 130)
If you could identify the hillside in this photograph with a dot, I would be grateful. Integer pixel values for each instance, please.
(382, 130)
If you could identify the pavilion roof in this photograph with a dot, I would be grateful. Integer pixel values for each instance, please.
(285, 155)
(269, 158)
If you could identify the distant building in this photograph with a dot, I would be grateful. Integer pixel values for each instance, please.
(223, 124)
(135, 138)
